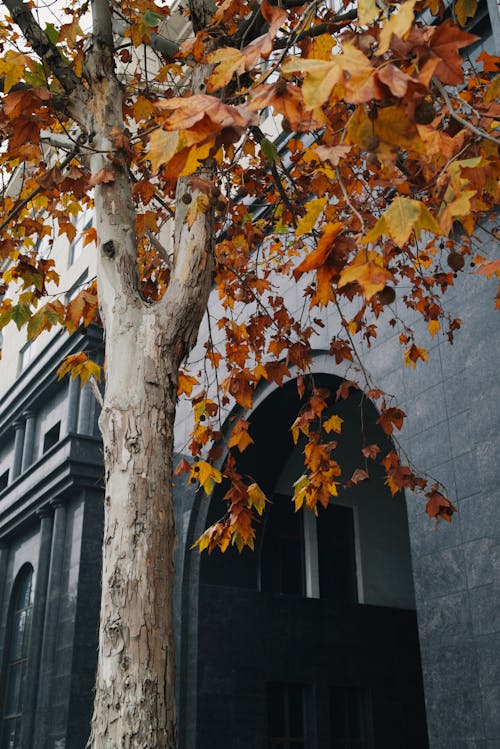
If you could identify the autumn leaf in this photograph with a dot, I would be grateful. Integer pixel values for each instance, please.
(162, 147)
(300, 488)
(333, 154)
(367, 270)
(403, 216)
(239, 436)
(182, 467)
(13, 67)
(390, 418)
(256, 498)
(318, 256)
(79, 365)
(413, 354)
(334, 423)
(368, 11)
(434, 327)
(186, 113)
(371, 451)
(207, 475)
(438, 506)
(398, 24)
(308, 220)
(320, 76)
(489, 268)
(186, 384)
(227, 62)
(358, 476)
(465, 9)
(52, 313)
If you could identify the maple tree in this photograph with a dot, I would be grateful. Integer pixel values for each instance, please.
(387, 159)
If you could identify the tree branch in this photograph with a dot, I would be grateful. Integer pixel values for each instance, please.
(476, 130)
(42, 46)
(19, 207)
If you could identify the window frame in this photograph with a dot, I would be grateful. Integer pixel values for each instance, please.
(15, 668)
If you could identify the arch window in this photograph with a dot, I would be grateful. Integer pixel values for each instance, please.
(303, 557)
(17, 658)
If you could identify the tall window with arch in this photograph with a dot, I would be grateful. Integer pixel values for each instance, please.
(19, 630)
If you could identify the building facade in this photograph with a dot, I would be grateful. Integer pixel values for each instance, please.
(368, 628)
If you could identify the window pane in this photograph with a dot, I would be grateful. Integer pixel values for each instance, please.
(13, 692)
(349, 718)
(275, 710)
(286, 715)
(282, 562)
(296, 710)
(336, 555)
(19, 628)
(9, 734)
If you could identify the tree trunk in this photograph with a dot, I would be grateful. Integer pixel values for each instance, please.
(145, 344)
(135, 697)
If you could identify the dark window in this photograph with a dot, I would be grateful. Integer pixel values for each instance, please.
(286, 716)
(349, 718)
(282, 562)
(51, 437)
(17, 659)
(4, 479)
(336, 554)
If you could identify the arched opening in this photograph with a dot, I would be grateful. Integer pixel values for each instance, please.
(16, 660)
(311, 640)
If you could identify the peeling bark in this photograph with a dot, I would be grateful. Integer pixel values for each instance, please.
(145, 344)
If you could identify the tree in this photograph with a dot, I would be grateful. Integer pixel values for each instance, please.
(387, 159)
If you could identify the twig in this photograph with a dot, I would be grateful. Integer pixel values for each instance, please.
(476, 130)
(96, 391)
(14, 212)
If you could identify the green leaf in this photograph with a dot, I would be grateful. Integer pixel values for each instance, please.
(269, 150)
(20, 313)
(152, 18)
(52, 32)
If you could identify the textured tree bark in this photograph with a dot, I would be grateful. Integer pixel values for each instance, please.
(145, 344)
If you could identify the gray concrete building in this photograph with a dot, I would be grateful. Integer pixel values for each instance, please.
(369, 628)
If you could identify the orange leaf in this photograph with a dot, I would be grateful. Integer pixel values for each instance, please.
(366, 270)
(240, 437)
(318, 256)
(186, 384)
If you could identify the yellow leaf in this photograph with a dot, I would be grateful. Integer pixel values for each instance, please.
(398, 24)
(456, 209)
(434, 327)
(227, 61)
(298, 426)
(207, 475)
(13, 66)
(493, 90)
(313, 210)
(400, 219)
(320, 78)
(334, 423)
(465, 9)
(368, 11)
(197, 154)
(300, 488)
(162, 147)
(256, 498)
